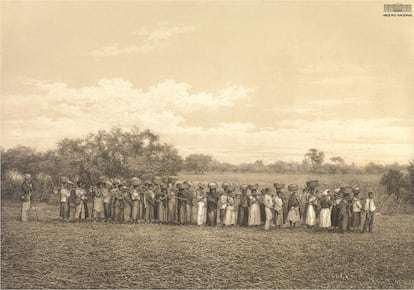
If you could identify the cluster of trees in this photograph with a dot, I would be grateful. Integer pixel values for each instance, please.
(113, 153)
(313, 162)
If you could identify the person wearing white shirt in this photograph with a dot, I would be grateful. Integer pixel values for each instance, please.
(370, 211)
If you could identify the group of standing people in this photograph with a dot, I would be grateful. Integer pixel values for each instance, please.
(165, 200)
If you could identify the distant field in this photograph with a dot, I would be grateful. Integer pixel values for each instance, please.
(52, 254)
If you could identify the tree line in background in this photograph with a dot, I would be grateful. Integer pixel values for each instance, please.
(118, 153)
(313, 162)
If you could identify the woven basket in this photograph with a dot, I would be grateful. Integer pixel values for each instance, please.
(346, 189)
(279, 185)
(312, 183)
(293, 187)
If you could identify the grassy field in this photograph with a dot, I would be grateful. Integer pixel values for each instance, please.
(52, 254)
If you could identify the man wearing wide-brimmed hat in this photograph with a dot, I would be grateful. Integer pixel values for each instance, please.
(26, 195)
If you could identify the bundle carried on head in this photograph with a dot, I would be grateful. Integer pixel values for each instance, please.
(293, 187)
(346, 189)
(135, 181)
(212, 185)
(156, 180)
(312, 183)
(172, 179)
(253, 186)
(278, 185)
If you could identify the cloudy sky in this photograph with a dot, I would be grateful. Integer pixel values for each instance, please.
(242, 81)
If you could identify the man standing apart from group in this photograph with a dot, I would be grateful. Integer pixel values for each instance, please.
(26, 195)
(370, 210)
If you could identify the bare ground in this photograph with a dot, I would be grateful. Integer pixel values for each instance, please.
(52, 254)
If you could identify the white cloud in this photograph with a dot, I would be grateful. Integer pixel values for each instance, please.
(151, 38)
(55, 110)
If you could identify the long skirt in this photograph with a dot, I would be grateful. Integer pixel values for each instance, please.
(149, 213)
(343, 222)
(172, 211)
(182, 213)
(98, 207)
(162, 213)
(229, 216)
(254, 215)
(325, 218)
(262, 213)
(107, 211)
(127, 212)
(135, 210)
(293, 215)
(220, 216)
(356, 219)
(243, 216)
(211, 216)
(119, 214)
(269, 217)
(194, 212)
(334, 216)
(310, 219)
(278, 218)
(201, 214)
(64, 210)
(189, 212)
(141, 210)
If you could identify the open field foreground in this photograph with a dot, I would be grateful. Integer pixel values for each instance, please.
(52, 254)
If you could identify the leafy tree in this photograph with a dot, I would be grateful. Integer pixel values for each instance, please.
(198, 163)
(337, 160)
(394, 181)
(315, 158)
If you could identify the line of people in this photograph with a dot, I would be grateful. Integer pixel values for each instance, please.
(167, 201)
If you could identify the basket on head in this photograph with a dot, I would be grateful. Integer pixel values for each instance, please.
(253, 186)
(156, 180)
(172, 179)
(64, 179)
(135, 181)
(312, 183)
(278, 185)
(244, 187)
(212, 185)
(346, 190)
(180, 185)
(224, 185)
(164, 179)
(356, 190)
(293, 187)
